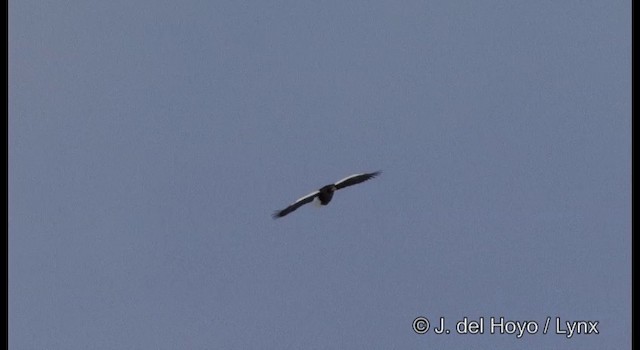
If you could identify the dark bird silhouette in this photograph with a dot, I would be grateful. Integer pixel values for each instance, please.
(324, 194)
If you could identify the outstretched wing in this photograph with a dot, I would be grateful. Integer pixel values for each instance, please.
(356, 179)
(297, 204)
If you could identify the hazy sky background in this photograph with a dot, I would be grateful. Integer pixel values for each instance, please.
(150, 141)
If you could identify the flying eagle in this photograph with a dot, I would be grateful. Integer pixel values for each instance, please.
(324, 194)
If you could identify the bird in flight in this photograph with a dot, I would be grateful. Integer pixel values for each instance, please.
(324, 194)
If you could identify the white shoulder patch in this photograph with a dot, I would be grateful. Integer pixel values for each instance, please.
(307, 196)
(347, 178)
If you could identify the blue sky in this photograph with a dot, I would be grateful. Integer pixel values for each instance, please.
(150, 141)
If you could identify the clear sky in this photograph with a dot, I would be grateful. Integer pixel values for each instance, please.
(150, 141)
